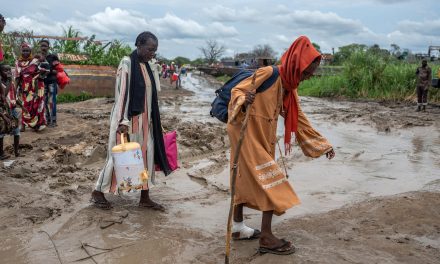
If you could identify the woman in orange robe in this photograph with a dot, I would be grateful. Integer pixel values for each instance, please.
(261, 184)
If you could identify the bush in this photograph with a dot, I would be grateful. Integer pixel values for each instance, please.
(223, 78)
(368, 74)
(71, 98)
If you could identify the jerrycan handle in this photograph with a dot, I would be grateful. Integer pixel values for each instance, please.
(122, 139)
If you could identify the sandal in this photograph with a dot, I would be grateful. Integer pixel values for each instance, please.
(285, 249)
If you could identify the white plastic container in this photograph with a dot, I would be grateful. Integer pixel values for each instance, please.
(129, 167)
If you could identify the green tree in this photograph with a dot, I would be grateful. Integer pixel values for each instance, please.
(198, 61)
(317, 47)
(181, 60)
(68, 46)
(345, 52)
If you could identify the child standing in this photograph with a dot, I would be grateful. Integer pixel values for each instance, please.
(10, 112)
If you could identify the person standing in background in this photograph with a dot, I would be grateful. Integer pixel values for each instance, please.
(424, 76)
(50, 84)
(2, 26)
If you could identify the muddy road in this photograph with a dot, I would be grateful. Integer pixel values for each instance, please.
(378, 201)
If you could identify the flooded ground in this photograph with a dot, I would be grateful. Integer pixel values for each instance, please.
(378, 201)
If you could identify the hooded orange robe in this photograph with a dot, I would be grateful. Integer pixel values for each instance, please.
(261, 183)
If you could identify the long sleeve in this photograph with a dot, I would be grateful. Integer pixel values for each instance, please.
(238, 93)
(125, 120)
(121, 91)
(311, 142)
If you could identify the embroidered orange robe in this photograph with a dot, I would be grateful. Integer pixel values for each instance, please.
(261, 183)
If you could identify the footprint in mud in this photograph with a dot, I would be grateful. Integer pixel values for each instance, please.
(65, 156)
(71, 139)
(37, 214)
(97, 155)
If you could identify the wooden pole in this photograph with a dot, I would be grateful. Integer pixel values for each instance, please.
(233, 178)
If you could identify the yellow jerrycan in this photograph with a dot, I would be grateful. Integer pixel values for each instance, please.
(129, 167)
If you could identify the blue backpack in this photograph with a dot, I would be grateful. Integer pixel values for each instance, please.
(219, 107)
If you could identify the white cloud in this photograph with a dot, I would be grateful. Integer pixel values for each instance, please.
(172, 26)
(326, 24)
(124, 24)
(282, 38)
(110, 23)
(24, 23)
(390, 2)
(427, 27)
(226, 14)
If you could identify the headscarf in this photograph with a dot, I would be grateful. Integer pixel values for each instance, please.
(293, 62)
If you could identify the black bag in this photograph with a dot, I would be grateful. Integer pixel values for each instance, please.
(219, 107)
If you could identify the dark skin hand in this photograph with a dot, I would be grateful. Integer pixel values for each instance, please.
(249, 98)
(122, 129)
(331, 154)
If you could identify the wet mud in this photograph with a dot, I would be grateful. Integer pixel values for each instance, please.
(376, 202)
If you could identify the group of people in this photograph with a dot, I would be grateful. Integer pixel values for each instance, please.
(27, 95)
(173, 72)
(261, 184)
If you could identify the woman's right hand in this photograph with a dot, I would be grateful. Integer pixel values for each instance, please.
(249, 98)
(122, 129)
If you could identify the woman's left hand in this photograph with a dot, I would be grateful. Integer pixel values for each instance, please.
(330, 154)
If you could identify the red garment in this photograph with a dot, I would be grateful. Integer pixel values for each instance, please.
(12, 96)
(293, 62)
(1, 53)
(32, 93)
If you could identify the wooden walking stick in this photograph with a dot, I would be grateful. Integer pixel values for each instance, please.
(234, 176)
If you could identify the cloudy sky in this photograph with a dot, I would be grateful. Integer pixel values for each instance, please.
(184, 26)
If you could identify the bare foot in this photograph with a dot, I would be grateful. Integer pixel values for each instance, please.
(99, 200)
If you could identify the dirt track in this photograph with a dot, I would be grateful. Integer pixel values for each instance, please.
(50, 187)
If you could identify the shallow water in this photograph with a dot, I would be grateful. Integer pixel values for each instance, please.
(196, 107)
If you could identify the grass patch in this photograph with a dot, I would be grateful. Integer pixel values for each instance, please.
(370, 76)
(71, 98)
(223, 78)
